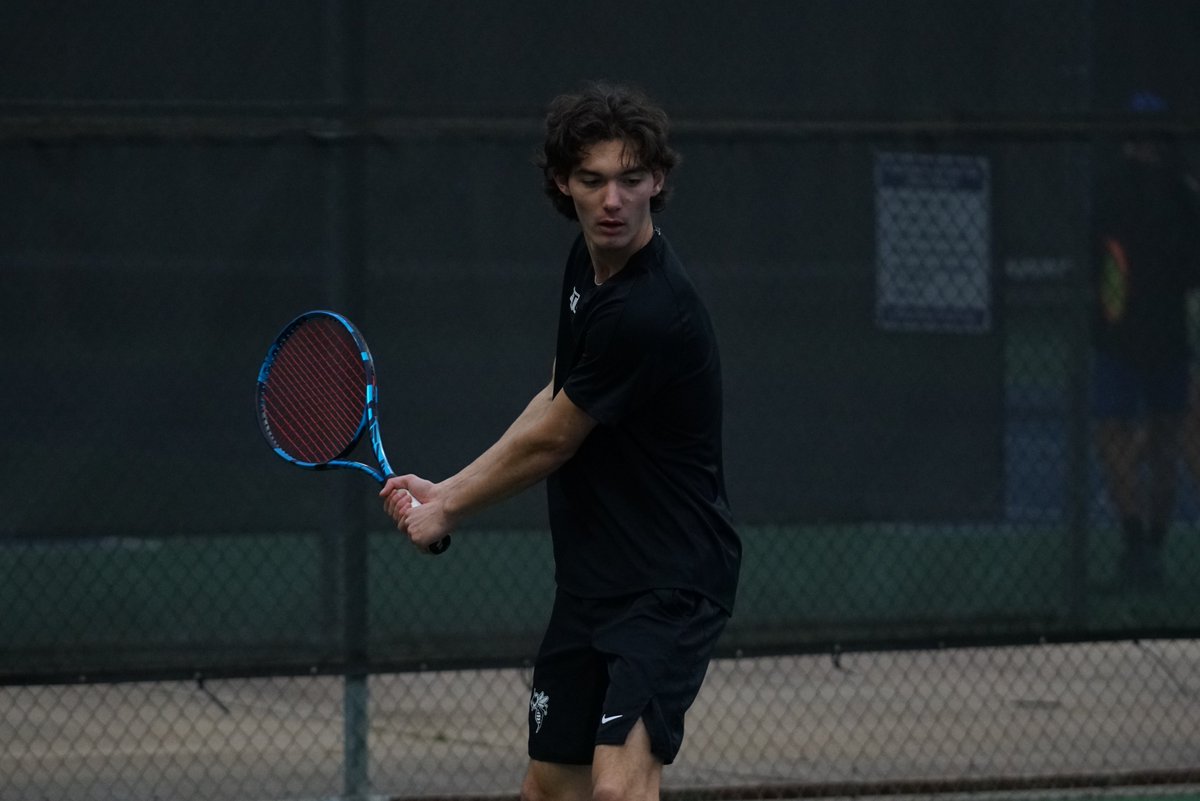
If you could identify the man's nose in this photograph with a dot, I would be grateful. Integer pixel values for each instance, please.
(612, 195)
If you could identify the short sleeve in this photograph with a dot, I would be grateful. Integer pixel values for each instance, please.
(620, 367)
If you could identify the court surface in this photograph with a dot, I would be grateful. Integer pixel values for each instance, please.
(813, 724)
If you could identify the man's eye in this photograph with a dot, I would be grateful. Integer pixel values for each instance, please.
(633, 180)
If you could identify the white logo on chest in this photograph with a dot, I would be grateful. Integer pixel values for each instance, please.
(574, 299)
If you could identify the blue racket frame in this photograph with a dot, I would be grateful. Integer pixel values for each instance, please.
(370, 418)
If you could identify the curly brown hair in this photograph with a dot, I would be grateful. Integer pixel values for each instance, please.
(601, 112)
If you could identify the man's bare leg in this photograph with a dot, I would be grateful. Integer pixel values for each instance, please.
(628, 772)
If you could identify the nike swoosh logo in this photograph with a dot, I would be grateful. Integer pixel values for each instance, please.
(609, 718)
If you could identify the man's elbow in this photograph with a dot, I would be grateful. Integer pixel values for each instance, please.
(556, 449)
(561, 432)
(553, 447)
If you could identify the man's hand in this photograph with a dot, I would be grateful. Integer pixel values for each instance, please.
(416, 506)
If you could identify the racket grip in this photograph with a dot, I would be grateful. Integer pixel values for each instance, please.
(442, 545)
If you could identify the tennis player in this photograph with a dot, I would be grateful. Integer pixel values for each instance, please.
(627, 434)
(1145, 224)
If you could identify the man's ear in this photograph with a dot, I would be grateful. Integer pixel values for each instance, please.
(561, 181)
(660, 179)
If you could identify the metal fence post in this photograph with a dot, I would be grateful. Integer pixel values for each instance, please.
(345, 75)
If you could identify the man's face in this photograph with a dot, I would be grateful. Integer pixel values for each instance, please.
(612, 197)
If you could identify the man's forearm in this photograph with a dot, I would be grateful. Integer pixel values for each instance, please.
(525, 454)
(532, 413)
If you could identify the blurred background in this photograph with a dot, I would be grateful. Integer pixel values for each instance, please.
(891, 209)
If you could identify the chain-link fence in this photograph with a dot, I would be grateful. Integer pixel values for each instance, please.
(950, 722)
(963, 570)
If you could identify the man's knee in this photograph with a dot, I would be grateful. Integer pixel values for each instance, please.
(532, 790)
(547, 782)
(625, 788)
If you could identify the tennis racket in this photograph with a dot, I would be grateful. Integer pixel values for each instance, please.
(317, 396)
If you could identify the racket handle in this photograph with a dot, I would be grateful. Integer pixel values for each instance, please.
(442, 545)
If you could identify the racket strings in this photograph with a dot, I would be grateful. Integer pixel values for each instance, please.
(314, 398)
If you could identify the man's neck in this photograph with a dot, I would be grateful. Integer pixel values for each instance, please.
(607, 263)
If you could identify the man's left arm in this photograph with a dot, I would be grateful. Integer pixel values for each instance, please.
(539, 441)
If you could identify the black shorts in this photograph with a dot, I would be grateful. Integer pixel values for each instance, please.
(606, 663)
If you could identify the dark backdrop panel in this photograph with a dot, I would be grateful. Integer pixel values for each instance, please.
(772, 59)
(184, 52)
(1145, 47)
(779, 59)
(144, 283)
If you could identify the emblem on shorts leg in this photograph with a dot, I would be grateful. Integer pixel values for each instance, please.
(539, 705)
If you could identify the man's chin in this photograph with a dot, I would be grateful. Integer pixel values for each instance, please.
(609, 242)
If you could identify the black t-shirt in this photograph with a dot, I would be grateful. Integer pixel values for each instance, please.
(641, 505)
(1146, 263)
